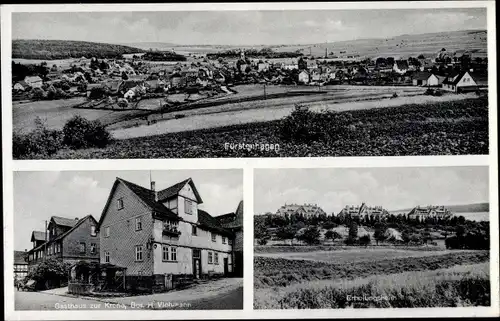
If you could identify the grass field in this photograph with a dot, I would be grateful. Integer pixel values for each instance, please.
(57, 112)
(323, 280)
(446, 128)
(355, 255)
(459, 285)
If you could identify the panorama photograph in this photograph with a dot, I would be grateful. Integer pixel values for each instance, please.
(372, 238)
(156, 240)
(268, 83)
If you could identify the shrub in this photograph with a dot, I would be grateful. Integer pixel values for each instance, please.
(82, 133)
(438, 93)
(395, 95)
(50, 273)
(262, 241)
(429, 92)
(41, 141)
(365, 240)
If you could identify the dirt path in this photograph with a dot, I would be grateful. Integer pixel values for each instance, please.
(201, 119)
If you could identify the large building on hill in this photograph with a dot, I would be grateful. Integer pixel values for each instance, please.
(162, 238)
(430, 211)
(66, 239)
(305, 210)
(363, 211)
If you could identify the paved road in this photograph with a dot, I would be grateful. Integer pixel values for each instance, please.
(43, 301)
(220, 295)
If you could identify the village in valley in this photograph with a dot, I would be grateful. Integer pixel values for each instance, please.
(152, 95)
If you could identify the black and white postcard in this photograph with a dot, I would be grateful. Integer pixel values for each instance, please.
(371, 238)
(354, 142)
(128, 240)
(275, 83)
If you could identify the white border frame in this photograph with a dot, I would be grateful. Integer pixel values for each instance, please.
(248, 164)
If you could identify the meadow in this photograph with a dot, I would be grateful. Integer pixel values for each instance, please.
(418, 279)
(444, 128)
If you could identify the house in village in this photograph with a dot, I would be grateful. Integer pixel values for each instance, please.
(305, 210)
(363, 211)
(177, 80)
(430, 211)
(303, 77)
(400, 66)
(20, 86)
(234, 222)
(464, 81)
(33, 81)
(427, 79)
(162, 237)
(20, 265)
(68, 240)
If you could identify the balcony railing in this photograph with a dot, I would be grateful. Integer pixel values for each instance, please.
(171, 231)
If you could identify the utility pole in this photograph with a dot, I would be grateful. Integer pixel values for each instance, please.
(45, 245)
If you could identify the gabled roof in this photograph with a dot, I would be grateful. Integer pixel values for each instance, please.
(37, 236)
(423, 75)
(33, 78)
(402, 64)
(63, 235)
(147, 196)
(233, 220)
(64, 221)
(176, 188)
(78, 223)
(211, 223)
(20, 257)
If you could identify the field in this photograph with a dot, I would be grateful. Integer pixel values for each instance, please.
(400, 46)
(409, 278)
(57, 112)
(447, 128)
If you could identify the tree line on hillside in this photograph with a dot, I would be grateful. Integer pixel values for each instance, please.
(63, 49)
(458, 232)
(267, 53)
(163, 56)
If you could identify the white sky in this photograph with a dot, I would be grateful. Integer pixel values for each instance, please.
(393, 188)
(242, 27)
(39, 195)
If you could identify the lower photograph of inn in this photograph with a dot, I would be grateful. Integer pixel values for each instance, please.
(128, 239)
(342, 238)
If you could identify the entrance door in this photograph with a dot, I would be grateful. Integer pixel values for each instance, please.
(196, 263)
(226, 267)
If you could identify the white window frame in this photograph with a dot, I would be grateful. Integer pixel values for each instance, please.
(214, 237)
(120, 204)
(173, 254)
(210, 257)
(138, 224)
(165, 250)
(138, 253)
(106, 257)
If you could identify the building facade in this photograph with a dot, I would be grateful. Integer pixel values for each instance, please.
(430, 211)
(20, 265)
(364, 211)
(304, 210)
(162, 236)
(68, 240)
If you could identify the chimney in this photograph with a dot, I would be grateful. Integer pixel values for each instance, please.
(76, 218)
(153, 189)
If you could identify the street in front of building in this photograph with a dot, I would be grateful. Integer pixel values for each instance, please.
(221, 294)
